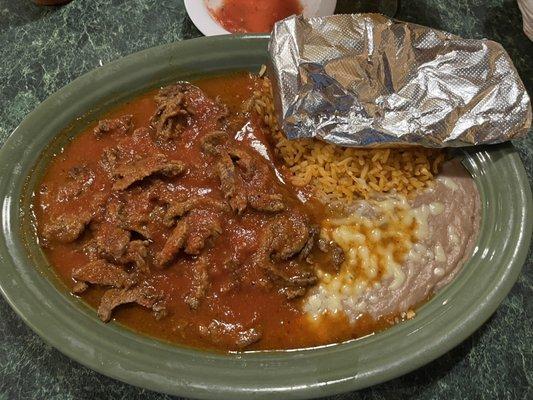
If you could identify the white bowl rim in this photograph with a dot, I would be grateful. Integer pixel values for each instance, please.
(209, 26)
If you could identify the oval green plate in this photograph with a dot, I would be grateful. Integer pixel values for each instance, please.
(35, 293)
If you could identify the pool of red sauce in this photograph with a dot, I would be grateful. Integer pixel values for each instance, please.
(240, 16)
(284, 324)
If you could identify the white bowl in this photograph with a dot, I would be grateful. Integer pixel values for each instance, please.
(201, 17)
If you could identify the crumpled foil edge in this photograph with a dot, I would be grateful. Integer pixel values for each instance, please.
(365, 80)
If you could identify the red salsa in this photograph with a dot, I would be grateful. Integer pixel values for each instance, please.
(254, 16)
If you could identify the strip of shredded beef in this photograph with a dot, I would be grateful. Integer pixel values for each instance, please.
(111, 241)
(233, 336)
(127, 174)
(66, 228)
(333, 253)
(191, 234)
(180, 208)
(211, 142)
(267, 202)
(287, 240)
(200, 284)
(173, 111)
(249, 170)
(100, 272)
(143, 295)
(173, 244)
(119, 125)
(204, 226)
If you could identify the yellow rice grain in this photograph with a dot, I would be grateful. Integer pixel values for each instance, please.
(347, 173)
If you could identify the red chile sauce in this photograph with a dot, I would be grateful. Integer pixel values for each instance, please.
(284, 325)
(240, 16)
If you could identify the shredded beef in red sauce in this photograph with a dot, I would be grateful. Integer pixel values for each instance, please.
(127, 174)
(174, 109)
(152, 216)
(118, 125)
(141, 295)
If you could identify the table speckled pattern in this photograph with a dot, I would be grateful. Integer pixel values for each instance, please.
(42, 49)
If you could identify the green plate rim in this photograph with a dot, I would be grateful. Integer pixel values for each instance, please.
(70, 326)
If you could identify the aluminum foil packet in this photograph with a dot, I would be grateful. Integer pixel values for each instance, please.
(366, 80)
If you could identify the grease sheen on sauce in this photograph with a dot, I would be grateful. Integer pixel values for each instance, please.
(254, 16)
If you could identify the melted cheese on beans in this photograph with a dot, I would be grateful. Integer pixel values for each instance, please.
(375, 249)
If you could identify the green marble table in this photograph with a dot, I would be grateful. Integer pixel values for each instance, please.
(42, 49)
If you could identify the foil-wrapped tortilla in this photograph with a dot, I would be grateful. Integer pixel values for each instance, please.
(366, 80)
